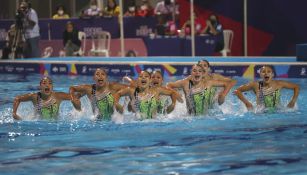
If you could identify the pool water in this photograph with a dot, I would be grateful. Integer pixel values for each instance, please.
(229, 140)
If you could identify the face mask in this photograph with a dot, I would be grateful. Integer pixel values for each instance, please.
(131, 9)
(144, 7)
(94, 7)
(60, 12)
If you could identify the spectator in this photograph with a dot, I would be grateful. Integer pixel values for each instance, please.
(161, 26)
(60, 13)
(145, 9)
(30, 29)
(14, 42)
(186, 28)
(93, 11)
(131, 11)
(112, 9)
(168, 8)
(71, 39)
(213, 27)
(130, 53)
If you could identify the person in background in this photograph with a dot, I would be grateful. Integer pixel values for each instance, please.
(71, 39)
(30, 29)
(131, 12)
(168, 8)
(13, 40)
(268, 91)
(215, 28)
(112, 9)
(93, 11)
(145, 9)
(186, 28)
(46, 101)
(130, 53)
(60, 13)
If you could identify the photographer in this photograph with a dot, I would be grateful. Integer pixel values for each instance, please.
(30, 28)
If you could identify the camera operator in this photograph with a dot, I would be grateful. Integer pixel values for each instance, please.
(30, 30)
(215, 28)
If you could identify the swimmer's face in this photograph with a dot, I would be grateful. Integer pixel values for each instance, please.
(46, 86)
(156, 79)
(266, 73)
(197, 73)
(100, 77)
(204, 65)
(143, 80)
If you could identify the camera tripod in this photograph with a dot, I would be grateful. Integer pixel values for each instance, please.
(17, 41)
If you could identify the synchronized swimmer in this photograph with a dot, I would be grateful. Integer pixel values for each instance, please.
(148, 96)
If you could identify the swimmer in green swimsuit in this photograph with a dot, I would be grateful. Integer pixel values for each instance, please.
(199, 92)
(207, 75)
(100, 94)
(144, 99)
(165, 103)
(267, 91)
(46, 102)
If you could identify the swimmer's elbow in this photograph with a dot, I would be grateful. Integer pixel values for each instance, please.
(237, 92)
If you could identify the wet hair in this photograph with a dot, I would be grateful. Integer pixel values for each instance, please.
(268, 66)
(197, 66)
(204, 61)
(102, 69)
(45, 78)
(146, 72)
(157, 71)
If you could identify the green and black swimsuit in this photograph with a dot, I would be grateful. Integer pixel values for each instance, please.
(163, 103)
(48, 110)
(199, 100)
(103, 102)
(146, 105)
(269, 98)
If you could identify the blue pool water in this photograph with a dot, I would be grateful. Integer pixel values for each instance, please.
(228, 141)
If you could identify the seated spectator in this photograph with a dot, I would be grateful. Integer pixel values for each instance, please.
(169, 8)
(214, 27)
(131, 11)
(186, 28)
(161, 26)
(171, 28)
(112, 9)
(93, 11)
(145, 9)
(60, 13)
(13, 43)
(130, 53)
(71, 39)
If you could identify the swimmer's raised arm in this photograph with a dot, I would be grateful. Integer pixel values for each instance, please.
(130, 81)
(76, 92)
(243, 88)
(117, 86)
(174, 96)
(227, 86)
(21, 98)
(289, 85)
(177, 84)
(124, 92)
